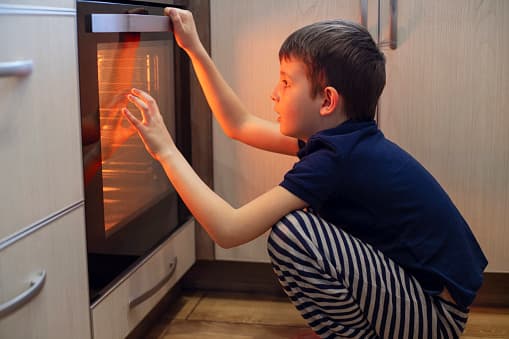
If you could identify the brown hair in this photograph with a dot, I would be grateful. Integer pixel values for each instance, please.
(343, 55)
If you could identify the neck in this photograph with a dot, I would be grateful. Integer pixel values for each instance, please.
(327, 122)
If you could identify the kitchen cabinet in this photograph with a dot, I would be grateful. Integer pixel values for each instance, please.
(40, 144)
(60, 310)
(247, 56)
(446, 103)
(445, 100)
(42, 232)
(43, 250)
(40, 6)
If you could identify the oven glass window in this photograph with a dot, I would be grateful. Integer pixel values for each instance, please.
(132, 179)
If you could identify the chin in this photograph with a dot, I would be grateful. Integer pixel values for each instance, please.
(284, 131)
(288, 132)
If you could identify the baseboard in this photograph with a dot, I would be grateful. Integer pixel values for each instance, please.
(494, 292)
(234, 276)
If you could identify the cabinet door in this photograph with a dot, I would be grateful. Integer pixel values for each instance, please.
(245, 45)
(40, 145)
(38, 3)
(61, 309)
(447, 103)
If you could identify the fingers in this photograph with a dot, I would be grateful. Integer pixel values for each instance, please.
(145, 103)
(181, 19)
(142, 94)
(174, 16)
(132, 119)
(146, 98)
(168, 10)
(173, 12)
(142, 107)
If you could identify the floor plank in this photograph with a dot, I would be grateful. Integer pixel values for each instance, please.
(191, 329)
(487, 323)
(220, 315)
(247, 309)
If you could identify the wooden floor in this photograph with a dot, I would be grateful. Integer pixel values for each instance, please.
(216, 315)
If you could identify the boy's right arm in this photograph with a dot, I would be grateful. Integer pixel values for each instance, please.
(235, 120)
(226, 225)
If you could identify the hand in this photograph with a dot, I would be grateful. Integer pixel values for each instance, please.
(184, 28)
(151, 128)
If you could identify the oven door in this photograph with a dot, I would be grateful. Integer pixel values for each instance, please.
(130, 206)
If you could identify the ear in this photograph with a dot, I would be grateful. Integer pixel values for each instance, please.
(331, 101)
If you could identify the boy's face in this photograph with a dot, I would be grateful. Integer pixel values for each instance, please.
(298, 112)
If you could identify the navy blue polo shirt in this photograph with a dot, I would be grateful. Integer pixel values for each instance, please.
(355, 178)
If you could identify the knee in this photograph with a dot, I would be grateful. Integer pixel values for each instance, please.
(291, 233)
(289, 226)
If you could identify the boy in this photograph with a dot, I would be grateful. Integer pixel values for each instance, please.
(384, 253)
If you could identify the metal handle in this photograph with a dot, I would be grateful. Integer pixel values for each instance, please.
(12, 305)
(147, 294)
(16, 68)
(364, 13)
(120, 23)
(393, 43)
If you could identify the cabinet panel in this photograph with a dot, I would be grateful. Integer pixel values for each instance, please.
(247, 56)
(61, 309)
(40, 144)
(113, 317)
(446, 103)
(39, 4)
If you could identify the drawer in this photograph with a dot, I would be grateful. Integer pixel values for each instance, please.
(40, 143)
(113, 317)
(39, 4)
(61, 309)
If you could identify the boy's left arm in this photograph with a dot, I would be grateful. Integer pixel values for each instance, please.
(226, 225)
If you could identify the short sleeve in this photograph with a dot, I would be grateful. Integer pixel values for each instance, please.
(315, 178)
(301, 144)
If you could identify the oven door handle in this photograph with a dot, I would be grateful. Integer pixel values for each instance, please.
(132, 23)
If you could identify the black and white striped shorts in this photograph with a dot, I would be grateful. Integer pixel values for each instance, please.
(345, 288)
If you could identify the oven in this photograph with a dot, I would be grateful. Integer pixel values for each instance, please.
(130, 206)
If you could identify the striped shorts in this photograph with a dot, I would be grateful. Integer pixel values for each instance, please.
(345, 288)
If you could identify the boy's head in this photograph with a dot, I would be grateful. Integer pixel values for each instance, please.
(340, 54)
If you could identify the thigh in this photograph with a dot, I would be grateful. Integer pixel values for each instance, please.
(304, 247)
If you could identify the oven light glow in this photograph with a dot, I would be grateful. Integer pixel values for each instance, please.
(147, 58)
(129, 177)
(110, 189)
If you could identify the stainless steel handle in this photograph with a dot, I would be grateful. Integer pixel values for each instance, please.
(393, 43)
(364, 13)
(120, 23)
(147, 294)
(16, 68)
(12, 305)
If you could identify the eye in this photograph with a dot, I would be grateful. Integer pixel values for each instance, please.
(284, 83)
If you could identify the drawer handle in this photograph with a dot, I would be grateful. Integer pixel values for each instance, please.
(12, 305)
(16, 68)
(147, 294)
